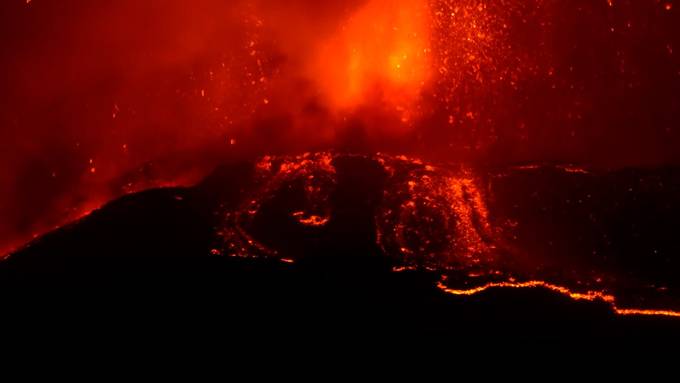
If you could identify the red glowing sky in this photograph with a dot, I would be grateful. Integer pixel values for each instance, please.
(102, 98)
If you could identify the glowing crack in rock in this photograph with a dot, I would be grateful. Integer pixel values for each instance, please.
(591, 296)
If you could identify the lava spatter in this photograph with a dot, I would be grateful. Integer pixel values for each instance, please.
(311, 177)
(434, 218)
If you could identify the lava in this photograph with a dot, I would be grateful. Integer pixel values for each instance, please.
(591, 296)
(103, 100)
(382, 52)
(431, 198)
(313, 174)
(434, 218)
(99, 92)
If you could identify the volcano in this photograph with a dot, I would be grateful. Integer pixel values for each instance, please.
(456, 168)
(373, 243)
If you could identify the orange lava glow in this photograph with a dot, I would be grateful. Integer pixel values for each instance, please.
(381, 53)
(310, 220)
(591, 296)
(431, 199)
(95, 93)
(434, 219)
(104, 100)
(588, 296)
(317, 176)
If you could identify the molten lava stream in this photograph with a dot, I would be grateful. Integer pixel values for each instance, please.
(433, 218)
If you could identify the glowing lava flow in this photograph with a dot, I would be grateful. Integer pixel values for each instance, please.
(431, 218)
(588, 296)
(311, 220)
(313, 174)
(591, 296)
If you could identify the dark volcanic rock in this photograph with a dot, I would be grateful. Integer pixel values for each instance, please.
(160, 256)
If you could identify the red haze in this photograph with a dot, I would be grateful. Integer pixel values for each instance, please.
(101, 98)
